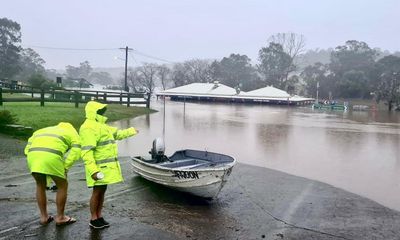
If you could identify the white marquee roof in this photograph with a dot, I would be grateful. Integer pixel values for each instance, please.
(267, 92)
(222, 91)
(201, 89)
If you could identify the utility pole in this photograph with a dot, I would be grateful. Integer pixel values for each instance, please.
(126, 67)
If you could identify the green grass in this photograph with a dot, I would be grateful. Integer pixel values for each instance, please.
(32, 115)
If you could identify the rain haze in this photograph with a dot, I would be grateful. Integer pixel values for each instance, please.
(285, 113)
(180, 30)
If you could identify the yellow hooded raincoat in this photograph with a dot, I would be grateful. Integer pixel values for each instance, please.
(99, 149)
(46, 148)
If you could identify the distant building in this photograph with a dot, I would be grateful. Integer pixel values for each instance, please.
(216, 92)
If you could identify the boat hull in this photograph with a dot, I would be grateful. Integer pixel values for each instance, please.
(202, 182)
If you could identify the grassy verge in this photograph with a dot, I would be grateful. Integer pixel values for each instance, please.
(31, 114)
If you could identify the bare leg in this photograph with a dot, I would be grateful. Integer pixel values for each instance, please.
(41, 195)
(96, 201)
(61, 198)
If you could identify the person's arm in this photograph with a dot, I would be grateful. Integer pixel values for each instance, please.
(124, 133)
(88, 143)
(74, 152)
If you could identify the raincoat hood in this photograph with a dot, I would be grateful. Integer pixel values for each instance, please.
(66, 125)
(91, 110)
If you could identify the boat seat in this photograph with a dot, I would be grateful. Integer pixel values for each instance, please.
(182, 164)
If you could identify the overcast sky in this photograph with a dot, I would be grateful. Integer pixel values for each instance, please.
(207, 29)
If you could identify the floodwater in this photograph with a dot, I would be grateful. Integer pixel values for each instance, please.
(355, 151)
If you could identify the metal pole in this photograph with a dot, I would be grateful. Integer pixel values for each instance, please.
(126, 69)
(164, 122)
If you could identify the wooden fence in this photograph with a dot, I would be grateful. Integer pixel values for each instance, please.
(74, 96)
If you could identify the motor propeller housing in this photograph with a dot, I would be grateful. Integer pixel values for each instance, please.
(158, 149)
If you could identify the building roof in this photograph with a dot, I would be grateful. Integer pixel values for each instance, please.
(213, 89)
(267, 92)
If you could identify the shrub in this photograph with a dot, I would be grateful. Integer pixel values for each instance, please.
(7, 118)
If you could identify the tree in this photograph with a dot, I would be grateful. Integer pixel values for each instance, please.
(103, 78)
(274, 64)
(10, 37)
(293, 45)
(316, 75)
(350, 66)
(234, 71)
(179, 75)
(197, 70)
(83, 71)
(133, 78)
(312, 57)
(39, 81)
(146, 76)
(30, 63)
(388, 87)
(163, 73)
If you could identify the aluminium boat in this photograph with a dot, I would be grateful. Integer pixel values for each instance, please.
(200, 173)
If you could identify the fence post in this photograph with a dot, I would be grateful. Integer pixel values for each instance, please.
(97, 95)
(148, 100)
(1, 96)
(42, 98)
(120, 98)
(105, 97)
(32, 91)
(76, 99)
(128, 95)
(53, 96)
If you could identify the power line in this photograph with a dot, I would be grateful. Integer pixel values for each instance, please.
(71, 49)
(149, 56)
(99, 49)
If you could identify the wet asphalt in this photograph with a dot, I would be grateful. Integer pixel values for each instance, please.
(256, 203)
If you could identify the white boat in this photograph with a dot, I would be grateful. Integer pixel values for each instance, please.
(200, 173)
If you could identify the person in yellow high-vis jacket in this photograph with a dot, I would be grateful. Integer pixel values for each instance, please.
(45, 156)
(100, 152)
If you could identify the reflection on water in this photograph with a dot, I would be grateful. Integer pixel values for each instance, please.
(356, 151)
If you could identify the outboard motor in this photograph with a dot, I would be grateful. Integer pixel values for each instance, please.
(158, 150)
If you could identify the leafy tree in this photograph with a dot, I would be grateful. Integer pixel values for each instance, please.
(83, 71)
(350, 66)
(388, 87)
(234, 71)
(103, 78)
(10, 37)
(354, 55)
(30, 63)
(312, 57)
(314, 76)
(179, 75)
(39, 81)
(291, 84)
(274, 64)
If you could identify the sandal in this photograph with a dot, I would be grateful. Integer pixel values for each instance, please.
(69, 221)
(49, 220)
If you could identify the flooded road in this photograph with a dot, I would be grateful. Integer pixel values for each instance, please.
(356, 151)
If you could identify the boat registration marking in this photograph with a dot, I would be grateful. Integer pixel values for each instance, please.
(186, 174)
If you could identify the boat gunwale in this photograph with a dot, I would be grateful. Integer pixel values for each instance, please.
(223, 168)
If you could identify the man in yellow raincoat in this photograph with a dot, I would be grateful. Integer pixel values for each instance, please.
(45, 156)
(100, 152)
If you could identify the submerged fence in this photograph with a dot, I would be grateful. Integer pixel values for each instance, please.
(74, 96)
